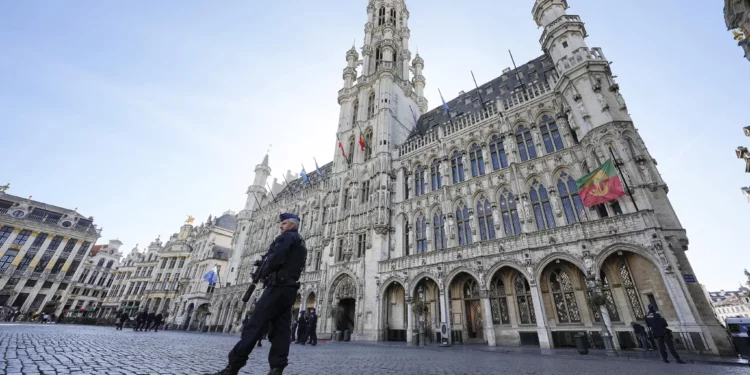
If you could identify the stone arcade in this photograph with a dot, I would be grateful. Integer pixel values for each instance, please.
(473, 220)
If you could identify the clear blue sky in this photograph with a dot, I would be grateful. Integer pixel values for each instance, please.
(141, 113)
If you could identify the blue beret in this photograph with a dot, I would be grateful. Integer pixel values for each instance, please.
(288, 216)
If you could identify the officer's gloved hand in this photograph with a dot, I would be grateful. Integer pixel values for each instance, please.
(257, 263)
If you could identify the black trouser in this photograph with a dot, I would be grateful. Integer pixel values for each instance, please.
(311, 335)
(138, 323)
(301, 333)
(294, 331)
(155, 326)
(274, 307)
(667, 341)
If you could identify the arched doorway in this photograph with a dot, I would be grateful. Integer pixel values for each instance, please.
(394, 312)
(344, 304)
(425, 303)
(188, 314)
(466, 305)
(201, 315)
(564, 293)
(310, 302)
(512, 308)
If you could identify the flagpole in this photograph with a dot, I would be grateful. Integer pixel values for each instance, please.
(445, 105)
(271, 191)
(256, 199)
(287, 184)
(614, 160)
(478, 90)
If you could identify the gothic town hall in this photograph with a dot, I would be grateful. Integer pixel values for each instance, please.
(468, 225)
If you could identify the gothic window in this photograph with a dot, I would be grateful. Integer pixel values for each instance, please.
(392, 19)
(550, 135)
(100, 263)
(525, 143)
(438, 228)
(361, 244)
(484, 214)
(477, 160)
(419, 183)
(610, 300)
(471, 289)
(631, 148)
(497, 153)
(436, 178)
(368, 144)
(421, 234)
(371, 105)
(378, 57)
(499, 302)
(457, 167)
(509, 212)
(346, 198)
(563, 297)
(406, 185)
(339, 251)
(542, 208)
(365, 194)
(350, 157)
(464, 225)
(355, 110)
(631, 292)
(381, 16)
(572, 204)
(406, 237)
(524, 300)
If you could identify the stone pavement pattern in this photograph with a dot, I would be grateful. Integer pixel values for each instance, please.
(66, 349)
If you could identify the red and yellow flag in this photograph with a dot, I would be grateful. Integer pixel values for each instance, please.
(342, 147)
(601, 185)
(361, 141)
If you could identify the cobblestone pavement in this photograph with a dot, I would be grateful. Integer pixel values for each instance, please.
(67, 349)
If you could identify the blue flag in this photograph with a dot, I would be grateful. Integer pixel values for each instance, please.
(304, 175)
(211, 276)
(445, 106)
(317, 169)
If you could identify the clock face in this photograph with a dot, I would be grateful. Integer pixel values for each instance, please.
(18, 213)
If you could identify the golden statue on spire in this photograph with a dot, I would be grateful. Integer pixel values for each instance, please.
(189, 220)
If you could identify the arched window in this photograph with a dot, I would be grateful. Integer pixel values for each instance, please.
(435, 177)
(525, 143)
(524, 300)
(610, 301)
(438, 226)
(464, 225)
(499, 302)
(355, 110)
(509, 212)
(109, 264)
(542, 208)
(101, 262)
(550, 135)
(572, 205)
(371, 105)
(484, 214)
(406, 236)
(368, 144)
(477, 160)
(421, 234)
(419, 183)
(631, 148)
(350, 157)
(406, 185)
(392, 19)
(630, 290)
(497, 153)
(378, 57)
(381, 16)
(457, 167)
(563, 297)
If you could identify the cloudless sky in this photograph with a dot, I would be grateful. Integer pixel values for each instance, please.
(140, 113)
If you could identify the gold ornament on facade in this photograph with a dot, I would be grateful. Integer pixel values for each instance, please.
(739, 35)
(189, 220)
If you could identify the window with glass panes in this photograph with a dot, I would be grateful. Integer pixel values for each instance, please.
(464, 225)
(5, 232)
(509, 213)
(457, 167)
(477, 160)
(525, 143)
(421, 234)
(435, 177)
(38, 240)
(69, 245)
(7, 258)
(419, 183)
(438, 228)
(540, 203)
(497, 153)
(571, 202)
(550, 135)
(484, 216)
(22, 237)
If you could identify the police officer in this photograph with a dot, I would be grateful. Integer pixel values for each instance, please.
(663, 335)
(281, 270)
(301, 324)
(312, 326)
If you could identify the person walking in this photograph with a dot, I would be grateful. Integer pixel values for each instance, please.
(158, 319)
(642, 335)
(281, 271)
(122, 319)
(663, 335)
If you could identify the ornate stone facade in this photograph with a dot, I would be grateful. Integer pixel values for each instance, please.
(472, 221)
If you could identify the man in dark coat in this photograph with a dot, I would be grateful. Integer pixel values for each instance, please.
(140, 320)
(312, 325)
(149, 321)
(642, 335)
(281, 269)
(663, 335)
(301, 323)
(158, 318)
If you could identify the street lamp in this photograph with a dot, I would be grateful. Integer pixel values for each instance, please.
(421, 316)
(598, 299)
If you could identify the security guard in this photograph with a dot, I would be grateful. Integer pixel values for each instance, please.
(281, 270)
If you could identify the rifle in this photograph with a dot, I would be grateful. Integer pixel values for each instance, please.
(256, 278)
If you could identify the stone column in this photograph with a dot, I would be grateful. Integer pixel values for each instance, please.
(545, 336)
(608, 322)
(489, 330)
(410, 322)
(444, 316)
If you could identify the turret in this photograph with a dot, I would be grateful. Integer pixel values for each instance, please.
(419, 82)
(258, 189)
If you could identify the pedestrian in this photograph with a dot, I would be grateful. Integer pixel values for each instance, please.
(663, 335)
(140, 320)
(312, 325)
(281, 271)
(642, 335)
(294, 331)
(301, 321)
(149, 320)
(122, 319)
(158, 319)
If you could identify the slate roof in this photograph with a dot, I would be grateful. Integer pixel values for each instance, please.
(502, 87)
(227, 222)
(313, 176)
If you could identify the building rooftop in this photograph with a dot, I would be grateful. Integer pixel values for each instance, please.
(313, 177)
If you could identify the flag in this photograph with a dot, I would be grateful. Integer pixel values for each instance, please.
(414, 115)
(361, 141)
(445, 106)
(304, 175)
(317, 169)
(601, 185)
(211, 276)
(341, 146)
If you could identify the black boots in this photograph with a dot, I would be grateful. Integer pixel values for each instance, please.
(229, 370)
(276, 371)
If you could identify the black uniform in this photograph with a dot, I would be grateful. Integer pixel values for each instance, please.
(158, 319)
(149, 321)
(281, 270)
(140, 318)
(663, 335)
(312, 325)
(301, 323)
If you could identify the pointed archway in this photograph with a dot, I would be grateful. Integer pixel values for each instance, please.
(512, 308)
(565, 297)
(466, 306)
(342, 305)
(394, 312)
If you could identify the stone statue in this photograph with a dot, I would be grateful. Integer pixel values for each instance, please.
(602, 100)
(572, 121)
(527, 209)
(644, 172)
(537, 138)
(496, 216)
(451, 227)
(621, 101)
(555, 204)
(581, 109)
